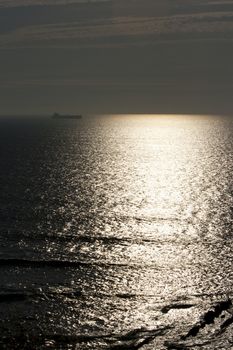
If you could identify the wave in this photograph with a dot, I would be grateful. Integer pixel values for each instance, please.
(132, 340)
(59, 263)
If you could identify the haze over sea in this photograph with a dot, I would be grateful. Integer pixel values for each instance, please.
(116, 233)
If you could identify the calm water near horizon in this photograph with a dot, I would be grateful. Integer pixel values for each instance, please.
(116, 233)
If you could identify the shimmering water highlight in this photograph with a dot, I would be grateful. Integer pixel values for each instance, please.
(116, 232)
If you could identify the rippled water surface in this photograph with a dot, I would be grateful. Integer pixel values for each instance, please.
(116, 233)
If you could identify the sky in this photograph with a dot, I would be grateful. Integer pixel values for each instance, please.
(116, 56)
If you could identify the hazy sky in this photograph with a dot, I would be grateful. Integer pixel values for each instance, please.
(137, 56)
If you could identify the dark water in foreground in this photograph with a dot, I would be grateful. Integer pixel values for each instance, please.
(116, 233)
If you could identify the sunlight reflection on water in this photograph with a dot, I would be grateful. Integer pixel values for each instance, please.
(141, 204)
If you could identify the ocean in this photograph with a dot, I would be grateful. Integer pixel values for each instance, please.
(116, 233)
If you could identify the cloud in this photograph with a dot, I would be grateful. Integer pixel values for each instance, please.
(24, 3)
(111, 23)
(122, 31)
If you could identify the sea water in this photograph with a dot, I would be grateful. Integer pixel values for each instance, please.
(116, 232)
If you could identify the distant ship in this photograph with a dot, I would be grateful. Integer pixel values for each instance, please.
(66, 116)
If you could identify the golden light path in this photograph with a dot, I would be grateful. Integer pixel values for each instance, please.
(131, 225)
